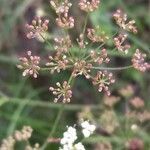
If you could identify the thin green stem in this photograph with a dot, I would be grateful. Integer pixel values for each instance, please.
(45, 69)
(49, 68)
(100, 46)
(15, 117)
(83, 32)
(85, 24)
(45, 40)
(39, 103)
(54, 127)
(70, 79)
(97, 68)
(113, 69)
(126, 118)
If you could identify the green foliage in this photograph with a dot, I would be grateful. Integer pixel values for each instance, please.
(27, 102)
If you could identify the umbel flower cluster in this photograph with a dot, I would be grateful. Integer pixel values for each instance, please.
(19, 136)
(80, 57)
(68, 142)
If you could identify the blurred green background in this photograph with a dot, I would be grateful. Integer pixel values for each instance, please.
(27, 101)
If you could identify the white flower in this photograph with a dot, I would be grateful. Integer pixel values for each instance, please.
(134, 127)
(87, 128)
(68, 139)
(68, 142)
(79, 146)
(69, 136)
(66, 147)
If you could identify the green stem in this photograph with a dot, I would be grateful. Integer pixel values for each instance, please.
(15, 117)
(100, 46)
(49, 105)
(70, 79)
(45, 40)
(83, 32)
(54, 127)
(48, 69)
(86, 19)
(97, 68)
(114, 69)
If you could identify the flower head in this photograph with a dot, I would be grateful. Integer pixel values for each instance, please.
(137, 102)
(139, 62)
(119, 40)
(37, 28)
(87, 128)
(62, 92)
(96, 36)
(65, 21)
(79, 146)
(57, 63)
(62, 45)
(18, 136)
(135, 144)
(99, 57)
(8, 143)
(110, 101)
(103, 80)
(81, 67)
(24, 134)
(69, 140)
(121, 20)
(60, 7)
(62, 10)
(30, 64)
(89, 6)
(143, 116)
(69, 136)
(127, 91)
(109, 121)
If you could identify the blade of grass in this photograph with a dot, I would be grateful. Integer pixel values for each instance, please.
(39, 103)
(54, 127)
(15, 117)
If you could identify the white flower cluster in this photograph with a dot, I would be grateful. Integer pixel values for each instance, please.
(70, 136)
(87, 128)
